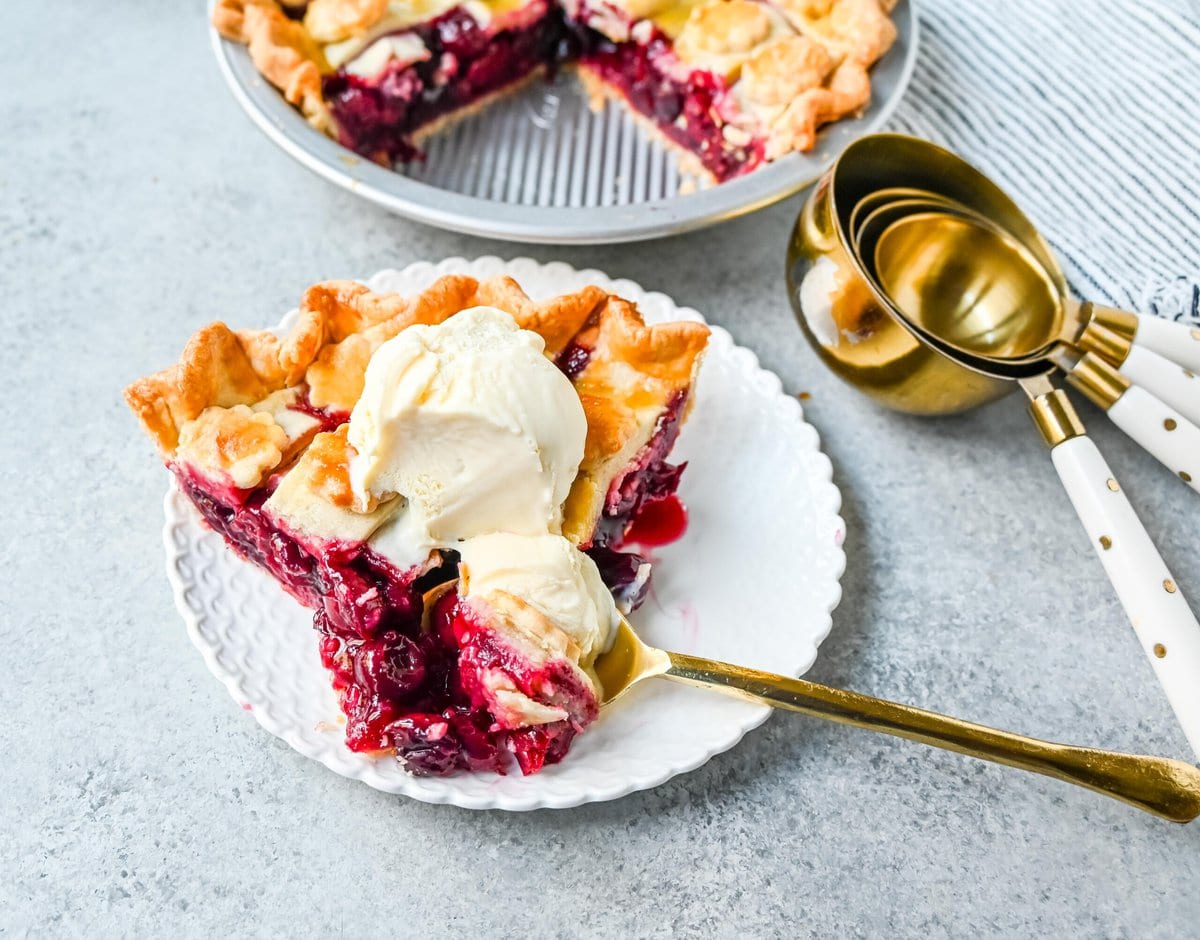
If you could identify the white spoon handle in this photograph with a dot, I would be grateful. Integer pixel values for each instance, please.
(1173, 385)
(1165, 626)
(1176, 342)
(1165, 433)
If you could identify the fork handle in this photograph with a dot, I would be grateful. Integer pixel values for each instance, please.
(1157, 785)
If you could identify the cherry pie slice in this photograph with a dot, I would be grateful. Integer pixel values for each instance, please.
(254, 428)
(729, 84)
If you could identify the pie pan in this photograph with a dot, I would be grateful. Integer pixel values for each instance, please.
(541, 166)
(763, 507)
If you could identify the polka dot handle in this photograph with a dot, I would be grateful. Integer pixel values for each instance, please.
(1165, 625)
(1172, 384)
(1165, 433)
(1177, 342)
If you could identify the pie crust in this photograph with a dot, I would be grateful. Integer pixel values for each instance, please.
(254, 425)
(733, 83)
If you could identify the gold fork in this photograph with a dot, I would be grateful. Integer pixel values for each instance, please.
(1157, 785)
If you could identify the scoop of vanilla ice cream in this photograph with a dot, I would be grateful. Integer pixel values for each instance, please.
(472, 424)
(552, 576)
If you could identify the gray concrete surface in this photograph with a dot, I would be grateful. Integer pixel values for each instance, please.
(136, 202)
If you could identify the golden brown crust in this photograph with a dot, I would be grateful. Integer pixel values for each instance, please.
(215, 369)
(229, 17)
(848, 92)
(783, 69)
(723, 26)
(283, 52)
(362, 322)
(557, 320)
(720, 35)
(335, 378)
(632, 374)
(665, 353)
(328, 459)
(792, 65)
(608, 428)
(341, 324)
(859, 30)
(784, 89)
(334, 20)
(220, 367)
(346, 307)
(314, 497)
(235, 444)
(633, 370)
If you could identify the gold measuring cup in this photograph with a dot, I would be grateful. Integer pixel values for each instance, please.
(1005, 304)
(992, 300)
(1141, 347)
(878, 332)
(901, 194)
(997, 302)
(861, 340)
(854, 332)
(935, 271)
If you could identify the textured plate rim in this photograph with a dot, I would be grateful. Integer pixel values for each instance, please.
(470, 215)
(827, 504)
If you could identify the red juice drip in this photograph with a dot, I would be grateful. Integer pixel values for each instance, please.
(658, 523)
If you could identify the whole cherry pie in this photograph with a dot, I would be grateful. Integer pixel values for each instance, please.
(730, 84)
(452, 482)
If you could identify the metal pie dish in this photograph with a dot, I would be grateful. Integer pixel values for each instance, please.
(541, 166)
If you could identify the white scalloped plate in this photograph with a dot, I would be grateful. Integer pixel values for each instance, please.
(763, 509)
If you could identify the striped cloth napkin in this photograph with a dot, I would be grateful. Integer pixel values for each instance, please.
(1088, 114)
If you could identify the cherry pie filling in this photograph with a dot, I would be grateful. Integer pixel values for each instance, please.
(650, 478)
(378, 116)
(682, 111)
(417, 693)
